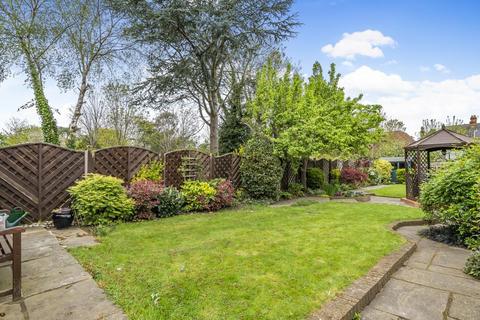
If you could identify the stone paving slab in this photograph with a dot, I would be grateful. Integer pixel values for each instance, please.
(430, 285)
(54, 285)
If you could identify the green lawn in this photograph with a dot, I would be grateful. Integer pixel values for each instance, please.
(393, 191)
(251, 263)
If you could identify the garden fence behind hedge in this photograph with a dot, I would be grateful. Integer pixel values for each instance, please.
(36, 176)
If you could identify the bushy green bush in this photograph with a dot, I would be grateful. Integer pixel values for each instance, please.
(472, 267)
(197, 195)
(401, 175)
(331, 189)
(382, 171)
(99, 199)
(452, 196)
(315, 178)
(296, 189)
(260, 169)
(212, 195)
(170, 202)
(335, 175)
(152, 171)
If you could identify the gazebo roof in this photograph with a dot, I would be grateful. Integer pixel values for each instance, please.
(441, 139)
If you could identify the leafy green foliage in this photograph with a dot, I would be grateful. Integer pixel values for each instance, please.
(152, 171)
(382, 171)
(331, 189)
(401, 176)
(472, 267)
(315, 178)
(260, 169)
(296, 189)
(98, 199)
(170, 202)
(233, 132)
(212, 195)
(452, 196)
(335, 175)
(198, 195)
(312, 118)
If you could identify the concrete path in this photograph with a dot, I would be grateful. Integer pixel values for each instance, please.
(373, 199)
(431, 285)
(54, 285)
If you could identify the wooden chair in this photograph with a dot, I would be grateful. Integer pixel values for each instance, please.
(11, 250)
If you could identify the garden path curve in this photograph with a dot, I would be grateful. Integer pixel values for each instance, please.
(430, 286)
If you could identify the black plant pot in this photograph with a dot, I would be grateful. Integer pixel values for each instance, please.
(62, 218)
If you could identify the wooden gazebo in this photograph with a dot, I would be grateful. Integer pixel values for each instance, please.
(417, 156)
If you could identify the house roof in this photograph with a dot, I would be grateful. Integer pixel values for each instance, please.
(441, 139)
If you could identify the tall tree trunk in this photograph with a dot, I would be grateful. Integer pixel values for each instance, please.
(214, 133)
(77, 112)
(49, 125)
(304, 173)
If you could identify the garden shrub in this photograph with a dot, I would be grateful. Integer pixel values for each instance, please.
(315, 178)
(382, 171)
(224, 194)
(260, 169)
(197, 195)
(451, 196)
(335, 175)
(296, 189)
(145, 194)
(170, 202)
(401, 176)
(331, 189)
(353, 176)
(151, 171)
(472, 267)
(99, 199)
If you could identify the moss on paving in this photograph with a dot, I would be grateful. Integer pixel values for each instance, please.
(250, 263)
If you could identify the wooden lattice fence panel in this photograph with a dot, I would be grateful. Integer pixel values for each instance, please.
(59, 169)
(176, 162)
(122, 162)
(35, 177)
(227, 166)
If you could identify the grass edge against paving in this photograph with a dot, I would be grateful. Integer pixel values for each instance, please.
(391, 191)
(227, 292)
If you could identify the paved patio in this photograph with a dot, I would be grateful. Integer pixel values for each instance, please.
(431, 285)
(54, 285)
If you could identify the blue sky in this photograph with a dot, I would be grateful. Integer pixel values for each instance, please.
(418, 59)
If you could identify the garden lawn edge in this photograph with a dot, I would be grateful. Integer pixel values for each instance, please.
(361, 292)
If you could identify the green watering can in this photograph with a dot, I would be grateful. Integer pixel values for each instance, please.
(14, 217)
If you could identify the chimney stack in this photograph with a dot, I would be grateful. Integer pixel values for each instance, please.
(473, 120)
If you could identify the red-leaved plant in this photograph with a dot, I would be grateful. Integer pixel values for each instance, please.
(224, 195)
(145, 194)
(353, 176)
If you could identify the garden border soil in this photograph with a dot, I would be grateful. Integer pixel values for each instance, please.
(360, 293)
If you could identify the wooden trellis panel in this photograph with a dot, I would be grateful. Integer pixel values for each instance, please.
(227, 166)
(36, 176)
(179, 160)
(122, 162)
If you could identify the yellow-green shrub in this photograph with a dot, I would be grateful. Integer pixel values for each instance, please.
(383, 170)
(152, 171)
(197, 195)
(99, 199)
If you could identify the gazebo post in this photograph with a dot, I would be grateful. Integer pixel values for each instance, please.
(428, 160)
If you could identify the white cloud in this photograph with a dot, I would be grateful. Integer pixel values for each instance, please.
(413, 101)
(347, 63)
(441, 68)
(363, 43)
